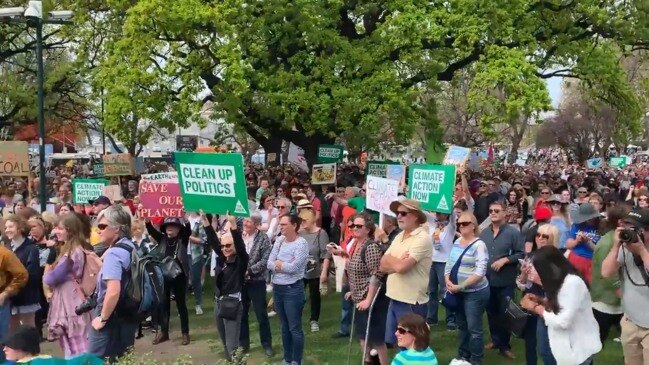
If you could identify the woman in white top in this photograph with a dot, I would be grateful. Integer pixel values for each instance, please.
(566, 308)
(267, 210)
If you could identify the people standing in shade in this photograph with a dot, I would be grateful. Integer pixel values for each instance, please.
(441, 228)
(505, 247)
(287, 262)
(473, 286)
(413, 336)
(254, 288)
(172, 239)
(13, 277)
(407, 263)
(25, 304)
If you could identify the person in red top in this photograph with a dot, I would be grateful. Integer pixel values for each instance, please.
(315, 202)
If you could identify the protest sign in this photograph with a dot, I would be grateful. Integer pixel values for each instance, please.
(98, 169)
(618, 161)
(118, 164)
(85, 190)
(380, 193)
(14, 158)
(432, 186)
(330, 153)
(594, 163)
(456, 155)
(296, 158)
(379, 168)
(213, 182)
(323, 174)
(166, 177)
(160, 197)
(112, 192)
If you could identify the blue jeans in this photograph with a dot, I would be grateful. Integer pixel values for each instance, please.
(500, 335)
(346, 312)
(5, 314)
(543, 342)
(255, 292)
(436, 286)
(469, 323)
(395, 310)
(112, 341)
(196, 272)
(289, 304)
(529, 335)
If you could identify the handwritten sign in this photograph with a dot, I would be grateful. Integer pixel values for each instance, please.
(14, 158)
(380, 193)
(112, 192)
(456, 155)
(118, 164)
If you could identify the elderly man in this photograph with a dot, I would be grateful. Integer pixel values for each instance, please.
(284, 206)
(254, 290)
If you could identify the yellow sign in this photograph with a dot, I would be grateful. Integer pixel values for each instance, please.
(14, 158)
(118, 164)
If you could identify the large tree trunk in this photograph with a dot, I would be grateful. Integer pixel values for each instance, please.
(310, 144)
(272, 147)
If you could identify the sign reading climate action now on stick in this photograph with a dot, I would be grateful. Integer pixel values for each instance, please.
(432, 186)
(84, 190)
(213, 182)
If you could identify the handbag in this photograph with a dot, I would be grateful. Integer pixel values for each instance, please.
(170, 268)
(515, 318)
(228, 307)
(451, 301)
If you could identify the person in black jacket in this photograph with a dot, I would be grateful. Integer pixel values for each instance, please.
(231, 267)
(172, 240)
(26, 303)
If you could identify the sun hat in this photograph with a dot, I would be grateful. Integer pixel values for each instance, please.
(304, 204)
(412, 206)
(172, 222)
(584, 213)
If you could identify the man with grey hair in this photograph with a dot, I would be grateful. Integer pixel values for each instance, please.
(284, 206)
(111, 335)
(254, 289)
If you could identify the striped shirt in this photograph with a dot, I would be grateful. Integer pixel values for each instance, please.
(473, 262)
(293, 255)
(414, 357)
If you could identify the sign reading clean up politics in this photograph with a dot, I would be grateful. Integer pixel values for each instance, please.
(84, 190)
(380, 192)
(330, 153)
(432, 186)
(213, 182)
(618, 161)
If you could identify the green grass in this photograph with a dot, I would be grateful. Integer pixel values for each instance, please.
(320, 348)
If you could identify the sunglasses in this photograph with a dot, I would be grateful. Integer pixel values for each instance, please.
(545, 193)
(227, 245)
(483, 185)
(555, 203)
(402, 331)
(494, 211)
(356, 226)
(464, 224)
(281, 206)
(401, 213)
(542, 235)
(643, 199)
(582, 192)
(102, 226)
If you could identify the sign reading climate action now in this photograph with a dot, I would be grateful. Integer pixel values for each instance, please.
(84, 190)
(213, 182)
(432, 186)
(330, 153)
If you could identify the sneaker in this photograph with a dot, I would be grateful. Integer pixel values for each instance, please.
(269, 288)
(272, 314)
(199, 310)
(315, 327)
(617, 339)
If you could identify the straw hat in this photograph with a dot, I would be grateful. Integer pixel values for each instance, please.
(412, 206)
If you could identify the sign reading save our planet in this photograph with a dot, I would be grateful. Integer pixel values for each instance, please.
(432, 186)
(213, 182)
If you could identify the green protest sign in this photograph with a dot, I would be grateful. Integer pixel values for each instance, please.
(618, 161)
(84, 190)
(330, 153)
(98, 169)
(378, 168)
(213, 182)
(432, 186)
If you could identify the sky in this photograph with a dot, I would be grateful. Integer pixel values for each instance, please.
(554, 87)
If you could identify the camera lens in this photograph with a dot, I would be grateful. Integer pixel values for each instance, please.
(628, 235)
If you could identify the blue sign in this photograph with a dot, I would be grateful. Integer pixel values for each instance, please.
(456, 155)
(595, 163)
(49, 148)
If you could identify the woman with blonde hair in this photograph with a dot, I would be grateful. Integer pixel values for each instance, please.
(64, 279)
(560, 219)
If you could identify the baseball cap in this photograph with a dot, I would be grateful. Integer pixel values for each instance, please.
(100, 200)
(638, 217)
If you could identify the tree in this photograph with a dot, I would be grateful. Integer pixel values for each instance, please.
(309, 71)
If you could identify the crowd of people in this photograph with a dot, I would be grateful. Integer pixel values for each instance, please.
(567, 240)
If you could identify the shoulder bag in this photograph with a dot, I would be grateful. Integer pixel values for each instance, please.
(515, 318)
(451, 300)
(171, 269)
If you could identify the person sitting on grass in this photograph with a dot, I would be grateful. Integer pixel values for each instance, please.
(413, 335)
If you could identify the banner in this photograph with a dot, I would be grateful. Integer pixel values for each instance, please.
(323, 174)
(161, 198)
(330, 153)
(118, 164)
(296, 158)
(213, 182)
(618, 161)
(380, 193)
(595, 163)
(456, 155)
(85, 190)
(14, 158)
(432, 186)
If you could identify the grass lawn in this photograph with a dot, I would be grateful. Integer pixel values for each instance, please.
(320, 348)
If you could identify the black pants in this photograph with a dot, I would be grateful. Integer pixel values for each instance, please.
(255, 292)
(314, 297)
(605, 322)
(179, 288)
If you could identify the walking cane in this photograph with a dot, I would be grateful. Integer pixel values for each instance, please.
(369, 319)
(351, 335)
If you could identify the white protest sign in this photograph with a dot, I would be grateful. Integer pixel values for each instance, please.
(161, 177)
(380, 193)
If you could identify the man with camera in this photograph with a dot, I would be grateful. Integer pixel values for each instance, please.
(630, 256)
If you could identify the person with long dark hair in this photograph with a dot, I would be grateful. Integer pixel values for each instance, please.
(566, 309)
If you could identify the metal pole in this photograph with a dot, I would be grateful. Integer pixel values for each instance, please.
(41, 112)
(103, 128)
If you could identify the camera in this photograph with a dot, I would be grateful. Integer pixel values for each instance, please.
(89, 304)
(630, 235)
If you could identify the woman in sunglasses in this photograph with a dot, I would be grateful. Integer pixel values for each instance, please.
(232, 263)
(413, 335)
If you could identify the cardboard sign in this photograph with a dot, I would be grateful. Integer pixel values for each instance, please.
(595, 163)
(380, 193)
(456, 155)
(161, 198)
(213, 182)
(112, 192)
(323, 174)
(118, 164)
(330, 153)
(14, 158)
(85, 190)
(432, 186)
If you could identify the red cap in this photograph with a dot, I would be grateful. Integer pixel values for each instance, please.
(542, 213)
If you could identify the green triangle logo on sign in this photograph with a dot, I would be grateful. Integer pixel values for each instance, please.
(442, 205)
(239, 209)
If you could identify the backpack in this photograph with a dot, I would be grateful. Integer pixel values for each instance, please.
(142, 286)
(91, 268)
(382, 248)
